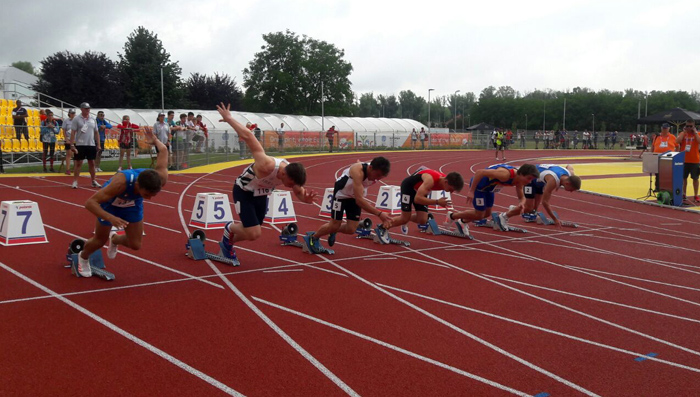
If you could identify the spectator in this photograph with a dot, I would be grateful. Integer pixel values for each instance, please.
(161, 130)
(126, 140)
(423, 135)
(66, 132)
(280, 138)
(257, 132)
(689, 141)
(202, 132)
(170, 121)
(191, 131)
(42, 114)
(522, 139)
(180, 141)
(414, 139)
(85, 139)
(102, 126)
(613, 139)
(538, 135)
(330, 134)
(663, 143)
(19, 117)
(242, 146)
(586, 139)
(575, 139)
(509, 139)
(49, 130)
(500, 143)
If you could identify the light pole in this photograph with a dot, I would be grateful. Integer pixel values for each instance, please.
(592, 132)
(429, 89)
(639, 114)
(526, 123)
(323, 127)
(455, 115)
(462, 116)
(162, 92)
(646, 108)
(544, 116)
(469, 117)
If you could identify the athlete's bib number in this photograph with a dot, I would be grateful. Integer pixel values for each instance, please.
(119, 202)
(528, 189)
(406, 199)
(687, 147)
(480, 202)
(663, 144)
(336, 205)
(261, 191)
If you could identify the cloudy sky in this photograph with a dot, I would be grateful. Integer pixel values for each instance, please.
(395, 45)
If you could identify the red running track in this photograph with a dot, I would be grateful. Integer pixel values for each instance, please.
(558, 312)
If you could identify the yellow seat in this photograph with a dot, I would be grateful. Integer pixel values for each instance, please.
(32, 146)
(12, 103)
(15, 145)
(3, 102)
(6, 145)
(23, 145)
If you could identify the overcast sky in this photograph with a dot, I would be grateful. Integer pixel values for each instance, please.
(394, 46)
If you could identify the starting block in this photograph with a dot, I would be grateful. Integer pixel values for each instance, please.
(364, 231)
(491, 224)
(196, 251)
(97, 263)
(543, 220)
(434, 229)
(290, 237)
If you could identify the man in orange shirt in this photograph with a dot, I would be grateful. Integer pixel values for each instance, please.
(664, 143)
(690, 141)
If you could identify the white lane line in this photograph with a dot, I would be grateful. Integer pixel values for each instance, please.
(283, 271)
(144, 260)
(394, 348)
(464, 332)
(607, 302)
(133, 338)
(536, 327)
(296, 346)
(637, 278)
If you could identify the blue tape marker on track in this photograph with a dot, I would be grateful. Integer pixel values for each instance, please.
(643, 358)
(543, 394)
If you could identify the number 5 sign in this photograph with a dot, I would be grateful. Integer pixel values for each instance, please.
(211, 211)
(20, 223)
(280, 208)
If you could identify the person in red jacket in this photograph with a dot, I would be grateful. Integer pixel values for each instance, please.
(330, 134)
(126, 140)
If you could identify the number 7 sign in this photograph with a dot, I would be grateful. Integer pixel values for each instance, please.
(20, 223)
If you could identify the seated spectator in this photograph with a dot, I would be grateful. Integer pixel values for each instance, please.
(126, 140)
(49, 131)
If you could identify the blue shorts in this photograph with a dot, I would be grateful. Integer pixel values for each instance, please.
(483, 200)
(534, 188)
(250, 208)
(130, 214)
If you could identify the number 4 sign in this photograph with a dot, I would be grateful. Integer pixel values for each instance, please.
(280, 208)
(211, 211)
(20, 223)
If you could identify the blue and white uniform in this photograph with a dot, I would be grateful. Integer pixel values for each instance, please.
(537, 185)
(128, 205)
(250, 194)
(487, 187)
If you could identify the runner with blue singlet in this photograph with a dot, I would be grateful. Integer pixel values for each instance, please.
(540, 190)
(119, 203)
(482, 189)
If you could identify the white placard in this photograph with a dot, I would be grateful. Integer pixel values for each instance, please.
(211, 211)
(326, 204)
(389, 200)
(280, 208)
(437, 195)
(20, 223)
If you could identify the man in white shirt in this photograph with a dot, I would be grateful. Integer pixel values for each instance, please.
(280, 138)
(84, 142)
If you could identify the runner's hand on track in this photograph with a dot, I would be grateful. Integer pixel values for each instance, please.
(119, 223)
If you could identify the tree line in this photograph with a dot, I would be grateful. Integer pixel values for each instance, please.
(295, 74)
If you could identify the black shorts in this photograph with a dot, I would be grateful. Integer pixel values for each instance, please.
(533, 189)
(85, 153)
(348, 206)
(250, 208)
(125, 146)
(67, 147)
(692, 169)
(280, 142)
(408, 194)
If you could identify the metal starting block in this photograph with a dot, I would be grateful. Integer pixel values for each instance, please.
(97, 263)
(543, 220)
(364, 231)
(196, 251)
(290, 237)
(435, 230)
(491, 224)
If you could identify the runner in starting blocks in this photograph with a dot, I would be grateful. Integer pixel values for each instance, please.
(196, 251)
(290, 237)
(432, 228)
(364, 231)
(539, 191)
(97, 263)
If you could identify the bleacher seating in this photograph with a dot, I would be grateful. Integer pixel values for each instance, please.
(16, 145)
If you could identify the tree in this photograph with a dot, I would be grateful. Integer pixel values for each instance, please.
(368, 106)
(144, 57)
(74, 78)
(286, 77)
(205, 92)
(25, 66)
(412, 106)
